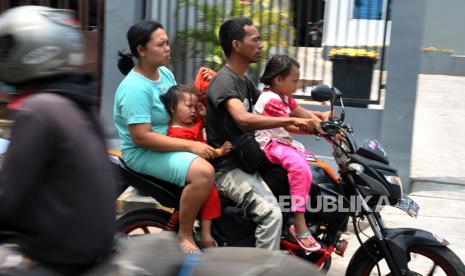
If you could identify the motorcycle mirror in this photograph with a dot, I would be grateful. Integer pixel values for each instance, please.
(322, 93)
(337, 93)
(343, 113)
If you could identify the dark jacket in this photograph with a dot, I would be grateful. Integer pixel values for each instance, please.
(55, 182)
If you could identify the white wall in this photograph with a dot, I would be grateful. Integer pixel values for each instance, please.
(342, 30)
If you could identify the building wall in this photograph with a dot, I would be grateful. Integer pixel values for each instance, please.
(444, 23)
(443, 32)
(119, 16)
(444, 37)
(341, 29)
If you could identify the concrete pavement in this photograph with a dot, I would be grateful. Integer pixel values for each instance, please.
(438, 139)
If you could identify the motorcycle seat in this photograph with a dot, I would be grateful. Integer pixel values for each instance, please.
(165, 193)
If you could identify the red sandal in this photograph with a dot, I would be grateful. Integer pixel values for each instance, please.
(207, 244)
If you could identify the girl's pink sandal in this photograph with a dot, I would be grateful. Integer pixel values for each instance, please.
(307, 235)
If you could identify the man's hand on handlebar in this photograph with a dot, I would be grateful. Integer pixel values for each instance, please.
(311, 126)
(332, 129)
(324, 116)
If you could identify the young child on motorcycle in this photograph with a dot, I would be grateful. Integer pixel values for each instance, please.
(280, 77)
(182, 102)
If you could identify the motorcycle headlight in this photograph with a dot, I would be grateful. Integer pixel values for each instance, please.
(394, 179)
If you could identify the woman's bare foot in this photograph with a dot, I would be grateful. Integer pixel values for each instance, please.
(188, 245)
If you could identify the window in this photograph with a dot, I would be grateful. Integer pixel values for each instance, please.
(368, 9)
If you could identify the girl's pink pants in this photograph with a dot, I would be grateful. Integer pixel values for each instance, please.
(298, 171)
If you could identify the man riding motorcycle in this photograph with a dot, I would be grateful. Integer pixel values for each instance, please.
(54, 188)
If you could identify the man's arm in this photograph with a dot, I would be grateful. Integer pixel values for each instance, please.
(317, 115)
(250, 121)
(304, 113)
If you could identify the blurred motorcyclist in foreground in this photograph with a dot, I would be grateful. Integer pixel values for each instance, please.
(54, 184)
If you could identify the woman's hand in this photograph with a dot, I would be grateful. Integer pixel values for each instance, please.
(203, 150)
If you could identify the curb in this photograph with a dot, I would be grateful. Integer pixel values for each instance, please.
(439, 180)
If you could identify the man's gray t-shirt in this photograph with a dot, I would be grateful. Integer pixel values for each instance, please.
(220, 125)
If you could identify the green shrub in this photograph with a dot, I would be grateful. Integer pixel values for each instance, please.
(202, 44)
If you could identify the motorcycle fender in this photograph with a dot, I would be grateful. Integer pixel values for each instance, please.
(405, 237)
(398, 240)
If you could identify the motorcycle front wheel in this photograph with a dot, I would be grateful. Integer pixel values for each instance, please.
(424, 260)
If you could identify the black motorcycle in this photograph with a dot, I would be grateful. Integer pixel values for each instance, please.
(315, 33)
(365, 182)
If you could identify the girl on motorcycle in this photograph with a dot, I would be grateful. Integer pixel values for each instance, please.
(182, 102)
(281, 76)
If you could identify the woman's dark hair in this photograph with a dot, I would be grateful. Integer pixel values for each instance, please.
(278, 65)
(232, 29)
(138, 34)
(171, 97)
(125, 62)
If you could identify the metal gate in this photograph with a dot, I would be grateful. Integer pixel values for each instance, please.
(295, 27)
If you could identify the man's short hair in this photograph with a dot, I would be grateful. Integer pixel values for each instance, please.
(232, 29)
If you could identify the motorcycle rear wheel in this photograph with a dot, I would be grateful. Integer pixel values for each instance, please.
(442, 261)
(143, 221)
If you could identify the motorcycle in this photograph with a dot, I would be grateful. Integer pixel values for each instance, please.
(315, 33)
(365, 182)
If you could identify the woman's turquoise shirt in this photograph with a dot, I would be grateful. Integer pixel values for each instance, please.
(137, 101)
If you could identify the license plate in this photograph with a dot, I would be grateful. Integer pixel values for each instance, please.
(408, 205)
